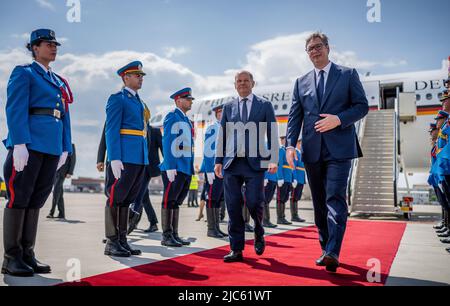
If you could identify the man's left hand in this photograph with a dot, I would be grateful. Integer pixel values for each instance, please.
(68, 176)
(273, 168)
(328, 123)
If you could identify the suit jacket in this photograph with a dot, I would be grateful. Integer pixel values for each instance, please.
(178, 143)
(30, 87)
(125, 111)
(101, 153)
(260, 112)
(345, 97)
(155, 145)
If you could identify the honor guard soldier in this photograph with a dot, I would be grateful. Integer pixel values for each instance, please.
(213, 185)
(285, 177)
(297, 184)
(38, 143)
(432, 179)
(270, 186)
(445, 100)
(443, 165)
(178, 165)
(126, 144)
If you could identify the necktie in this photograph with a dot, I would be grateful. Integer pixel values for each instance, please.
(139, 99)
(244, 110)
(321, 87)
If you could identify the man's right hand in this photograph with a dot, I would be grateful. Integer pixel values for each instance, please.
(20, 157)
(291, 155)
(218, 170)
(101, 167)
(210, 176)
(171, 175)
(280, 183)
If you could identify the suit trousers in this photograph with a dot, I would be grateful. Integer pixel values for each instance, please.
(235, 176)
(328, 182)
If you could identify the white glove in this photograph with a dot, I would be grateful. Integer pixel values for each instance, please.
(171, 175)
(280, 183)
(266, 181)
(62, 160)
(210, 177)
(117, 167)
(20, 157)
(294, 184)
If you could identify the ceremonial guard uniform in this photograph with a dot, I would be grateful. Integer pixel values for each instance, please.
(297, 186)
(177, 169)
(285, 177)
(126, 144)
(270, 186)
(213, 185)
(38, 143)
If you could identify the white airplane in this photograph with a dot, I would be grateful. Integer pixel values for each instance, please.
(381, 91)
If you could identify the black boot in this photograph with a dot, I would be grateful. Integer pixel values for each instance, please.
(266, 217)
(216, 212)
(123, 229)
(29, 239)
(113, 246)
(134, 218)
(166, 223)
(212, 230)
(294, 212)
(175, 221)
(13, 264)
(280, 214)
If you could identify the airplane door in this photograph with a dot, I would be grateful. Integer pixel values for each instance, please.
(372, 89)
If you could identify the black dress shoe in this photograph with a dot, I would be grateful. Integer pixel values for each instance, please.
(331, 263)
(448, 250)
(298, 219)
(50, 217)
(269, 225)
(320, 262)
(234, 256)
(445, 234)
(260, 245)
(151, 229)
(439, 226)
(445, 240)
(442, 230)
(249, 228)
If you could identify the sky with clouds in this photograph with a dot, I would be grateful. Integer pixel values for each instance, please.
(201, 43)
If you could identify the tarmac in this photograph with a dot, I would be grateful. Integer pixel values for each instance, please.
(74, 247)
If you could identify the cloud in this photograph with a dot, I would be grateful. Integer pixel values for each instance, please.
(93, 79)
(25, 36)
(46, 4)
(171, 52)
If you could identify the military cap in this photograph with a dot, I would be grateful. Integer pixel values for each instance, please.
(217, 107)
(441, 115)
(183, 93)
(133, 67)
(43, 35)
(433, 126)
(444, 96)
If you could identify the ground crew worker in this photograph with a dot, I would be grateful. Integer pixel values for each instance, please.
(126, 144)
(177, 166)
(38, 143)
(297, 184)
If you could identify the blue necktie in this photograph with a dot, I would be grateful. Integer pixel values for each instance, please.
(321, 87)
(244, 110)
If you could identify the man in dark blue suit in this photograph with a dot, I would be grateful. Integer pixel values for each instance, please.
(242, 158)
(327, 102)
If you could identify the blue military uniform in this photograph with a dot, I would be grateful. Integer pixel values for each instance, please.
(126, 141)
(285, 173)
(38, 118)
(214, 192)
(296, 193)
(178, 147)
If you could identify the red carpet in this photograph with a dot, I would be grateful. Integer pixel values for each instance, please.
(288, 261)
